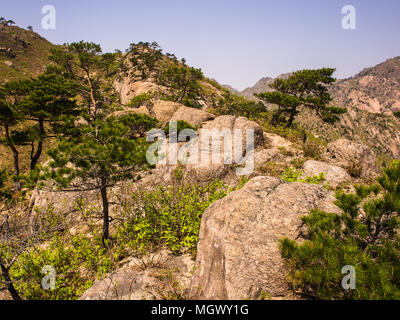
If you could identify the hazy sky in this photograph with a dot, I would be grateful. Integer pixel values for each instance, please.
(235, 42)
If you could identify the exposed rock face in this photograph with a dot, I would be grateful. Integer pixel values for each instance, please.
(346, 152)
(129, 89)
(164, 110)
(238, 253)
(334, 175)
(237, 123)
(132, 283)
(375, 89)
(191, 115)
(218, 145)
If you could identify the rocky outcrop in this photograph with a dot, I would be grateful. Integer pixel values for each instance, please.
(238, 250)
(347, 153)
(164, 110)
(375, 89)
(219, 144)
(334, 175)
(191, 115)
(128, 89)
(133, 282)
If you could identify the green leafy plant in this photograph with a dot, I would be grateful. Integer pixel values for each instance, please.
(141, 99)
(294, 175)
(77, 260)
(168, 217)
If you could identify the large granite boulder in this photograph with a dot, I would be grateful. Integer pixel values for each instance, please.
(238, 250)
(348, 153)
(133, 281)
(334, 175)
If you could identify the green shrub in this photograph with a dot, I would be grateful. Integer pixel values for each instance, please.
(365, 235)
(291, 175)
(294, 175)
(236, 105)
(77, 261)
(178, 126)
(312, 149)
(167, 217)
(140, 100)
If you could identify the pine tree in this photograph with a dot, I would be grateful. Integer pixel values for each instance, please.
(50, 100)
(104, 152)
(303, 88)
(83, 63)
(183, 80)
(25, 107)
(365, 235)
(10, 116)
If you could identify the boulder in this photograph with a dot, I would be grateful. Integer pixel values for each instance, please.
(191, 115)
(345, 153)
(133, 281)
(164, 110)
(9, 64)
(334, 175)
(208, 153)
(238, 251)
(129, 89)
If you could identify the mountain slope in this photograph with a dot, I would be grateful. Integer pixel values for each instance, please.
(375, 89)
(370, 97)
(23, 53)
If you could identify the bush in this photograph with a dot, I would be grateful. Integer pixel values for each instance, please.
(177, 127)
(77, 261)
(167, 217)
(294, 175)
(354, 169)
(236, 105)
(365, 235)
(312, 149)
(140, 100)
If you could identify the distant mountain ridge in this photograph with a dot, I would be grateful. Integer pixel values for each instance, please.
(261, 85)
(375, 89)
(371, 97)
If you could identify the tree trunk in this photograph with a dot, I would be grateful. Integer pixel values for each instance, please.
(105, 211)
(9, 284)
(291, 118)
(16, 157)
(35, 158)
